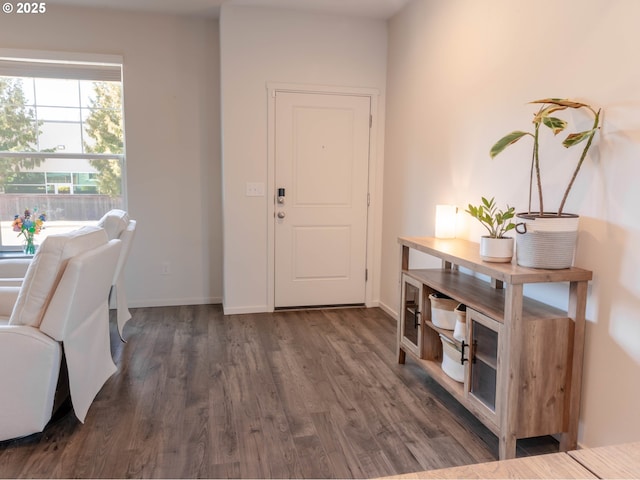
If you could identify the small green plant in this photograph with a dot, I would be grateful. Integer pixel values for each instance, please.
(497, 222)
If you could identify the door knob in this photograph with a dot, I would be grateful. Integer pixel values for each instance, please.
(281, 215)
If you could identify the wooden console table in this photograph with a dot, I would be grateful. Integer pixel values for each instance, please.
(522, 359)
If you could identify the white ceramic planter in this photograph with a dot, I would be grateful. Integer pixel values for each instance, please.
(497, 250)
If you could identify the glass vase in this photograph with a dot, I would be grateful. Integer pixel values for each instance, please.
(29, 247)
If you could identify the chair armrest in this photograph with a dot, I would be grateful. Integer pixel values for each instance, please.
(30, 363)
(14, 267)
(8, 297)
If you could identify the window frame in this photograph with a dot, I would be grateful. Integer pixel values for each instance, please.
(65, 65)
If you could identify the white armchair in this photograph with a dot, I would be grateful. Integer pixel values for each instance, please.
(118, 225)
(61, 302)
(30, 365)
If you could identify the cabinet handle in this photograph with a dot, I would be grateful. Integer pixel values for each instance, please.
(416, 323)
(462, 359)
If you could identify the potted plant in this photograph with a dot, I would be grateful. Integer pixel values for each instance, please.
(548, 239)
(495, 247)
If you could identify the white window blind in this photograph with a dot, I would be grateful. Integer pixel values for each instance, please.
(65, 70)
(66, 65)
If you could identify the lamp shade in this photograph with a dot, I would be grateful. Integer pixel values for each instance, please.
(446, 221)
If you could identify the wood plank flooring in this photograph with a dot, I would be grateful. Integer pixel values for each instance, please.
(307, 394)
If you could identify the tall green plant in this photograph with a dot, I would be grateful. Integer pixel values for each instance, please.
(549, 106)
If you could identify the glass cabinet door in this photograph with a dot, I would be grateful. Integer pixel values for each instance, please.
(483, 380)
(411, 315)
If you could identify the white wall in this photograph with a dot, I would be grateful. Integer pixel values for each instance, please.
(171, 89)
(269, 45)
(459, 75)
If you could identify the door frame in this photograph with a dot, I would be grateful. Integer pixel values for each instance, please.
(374, 212)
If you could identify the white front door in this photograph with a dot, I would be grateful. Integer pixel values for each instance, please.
(321, 184)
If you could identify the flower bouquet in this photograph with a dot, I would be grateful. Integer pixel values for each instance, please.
(29, 225)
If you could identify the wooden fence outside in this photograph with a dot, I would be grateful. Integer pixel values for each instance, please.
(58, 207)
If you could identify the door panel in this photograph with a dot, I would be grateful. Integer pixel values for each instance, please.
(322, 163)
(309, 265)
(323, 147)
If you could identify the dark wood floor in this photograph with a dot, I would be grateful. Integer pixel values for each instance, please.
(314, 394)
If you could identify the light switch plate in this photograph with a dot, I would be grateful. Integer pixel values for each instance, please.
(255, 189)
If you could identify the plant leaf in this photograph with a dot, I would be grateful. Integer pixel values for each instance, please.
(545, 111)
(554, 108)
(575, 138)
(555, 124)
(508, 214)
(505, 141)
(562, 102)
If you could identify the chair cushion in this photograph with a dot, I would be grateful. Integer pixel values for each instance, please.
(14, 267)
(114, 222)
(46, 269)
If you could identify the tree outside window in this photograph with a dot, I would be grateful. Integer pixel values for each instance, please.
(18, 128)
(104, 126)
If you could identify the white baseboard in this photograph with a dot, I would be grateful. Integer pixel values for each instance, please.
(244, 310)
(389, 311)
(174, 302)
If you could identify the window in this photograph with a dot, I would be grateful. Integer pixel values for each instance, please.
(61, 140)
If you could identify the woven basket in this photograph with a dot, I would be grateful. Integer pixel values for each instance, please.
(451, 364)
(442, 311)
(460, 330)
(443, 302)
(546, 242)
(552, 250)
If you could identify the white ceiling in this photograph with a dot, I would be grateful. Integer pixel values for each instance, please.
(380, 9)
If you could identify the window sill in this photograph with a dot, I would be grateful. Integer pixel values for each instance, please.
(13, 254)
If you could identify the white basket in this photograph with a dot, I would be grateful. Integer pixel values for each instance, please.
(442, 311)
(546, 242)
(451, 360)
(552, 250)
(460, 330)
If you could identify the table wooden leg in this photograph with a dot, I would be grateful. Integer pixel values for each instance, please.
(577, 307)
(507, 446)
(510, 371)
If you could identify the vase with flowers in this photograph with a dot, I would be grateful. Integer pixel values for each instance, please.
(29, 224)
